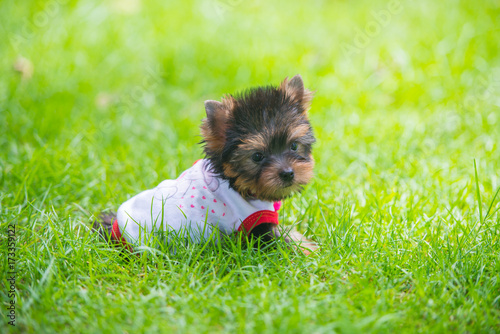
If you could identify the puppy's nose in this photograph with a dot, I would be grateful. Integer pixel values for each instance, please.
(287, 175)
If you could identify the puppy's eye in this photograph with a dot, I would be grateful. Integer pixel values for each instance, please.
(294, 146)
(257, 157)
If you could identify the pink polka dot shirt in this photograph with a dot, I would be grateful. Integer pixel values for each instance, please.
(194, 204)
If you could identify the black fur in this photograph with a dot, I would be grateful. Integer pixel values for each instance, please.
(266, 232)
(263, 120)
(104, 224)
(264, 108)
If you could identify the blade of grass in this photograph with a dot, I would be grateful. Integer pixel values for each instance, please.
(478, 193)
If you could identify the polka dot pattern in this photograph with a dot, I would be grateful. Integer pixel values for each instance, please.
(198, 200)
(195, 199)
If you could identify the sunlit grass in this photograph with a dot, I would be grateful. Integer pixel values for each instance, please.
(100, 100)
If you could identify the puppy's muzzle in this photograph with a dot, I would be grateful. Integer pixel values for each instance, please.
(287, 175)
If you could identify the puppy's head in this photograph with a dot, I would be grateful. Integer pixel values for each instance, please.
(261, 140)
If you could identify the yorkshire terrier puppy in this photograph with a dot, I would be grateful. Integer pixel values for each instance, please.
(257, 152)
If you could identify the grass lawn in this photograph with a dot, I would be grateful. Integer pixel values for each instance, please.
(102, 99)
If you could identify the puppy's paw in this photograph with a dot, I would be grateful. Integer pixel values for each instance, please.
(308, 247)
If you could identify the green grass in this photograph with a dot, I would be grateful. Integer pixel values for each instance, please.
(403, 202)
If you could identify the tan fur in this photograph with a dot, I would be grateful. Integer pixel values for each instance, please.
(298, 93)
(228, 170)
(273, 130)
(245, 187)
(254, 143)
(213, 140)
(215, 137)
(229, 102)
(298, 132)
(303, 171)
(270, 186)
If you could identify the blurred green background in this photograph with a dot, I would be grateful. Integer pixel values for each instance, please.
(106, 86)
(102, 99)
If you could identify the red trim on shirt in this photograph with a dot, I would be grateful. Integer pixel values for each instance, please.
(117, 237)
(257, 218)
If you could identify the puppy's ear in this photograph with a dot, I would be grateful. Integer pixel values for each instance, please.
(212, 107)
(213, 128)
(296, 90)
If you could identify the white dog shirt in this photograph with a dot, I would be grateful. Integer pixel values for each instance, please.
(192, 205)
